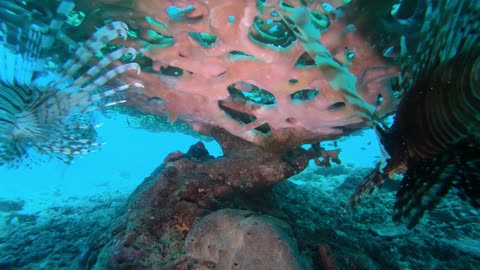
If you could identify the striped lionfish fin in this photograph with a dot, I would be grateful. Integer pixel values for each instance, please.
(50, 118)
(428, 181)
(451, 27)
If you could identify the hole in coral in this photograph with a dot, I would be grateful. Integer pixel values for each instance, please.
(171, 71)
(238, 55)
(305, 94)
(142, 60)
(156, 38)
(379, 100)
(249, 92)
(245, 98)
(292, 26)
(304, 60)
(204, 39)
(261, 4)
(395, 83)
(239, 116)
(320, 21)
(336, 106)
(272, 32)
(293, 81)
(265, 128)
(284, 5)
(181, 14)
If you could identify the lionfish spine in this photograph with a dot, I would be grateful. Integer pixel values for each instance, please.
(104, 62)
(92, 46)
(450, 27)
(25, 65)
(78, 126)
(65, 7)
(108, 93)
(110, 75)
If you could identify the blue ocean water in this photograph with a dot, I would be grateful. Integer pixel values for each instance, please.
(130, 154)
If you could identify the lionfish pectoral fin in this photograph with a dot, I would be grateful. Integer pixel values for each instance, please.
(427, 181)
(373, 180)
(377, 176)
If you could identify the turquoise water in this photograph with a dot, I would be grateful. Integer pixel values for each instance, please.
(130, 155)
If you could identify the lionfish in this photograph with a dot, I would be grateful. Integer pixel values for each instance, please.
(435, 138)
(41, 106)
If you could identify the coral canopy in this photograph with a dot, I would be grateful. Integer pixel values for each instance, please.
(276, 73)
